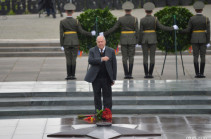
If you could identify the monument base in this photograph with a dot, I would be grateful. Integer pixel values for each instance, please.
(104, 130)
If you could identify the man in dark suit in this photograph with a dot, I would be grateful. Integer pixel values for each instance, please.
(102, 73)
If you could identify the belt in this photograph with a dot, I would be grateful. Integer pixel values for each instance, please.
(70, 32)
(128, 32)
(199, 31)
(149, 31)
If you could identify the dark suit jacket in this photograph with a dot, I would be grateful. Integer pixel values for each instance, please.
(95, 62)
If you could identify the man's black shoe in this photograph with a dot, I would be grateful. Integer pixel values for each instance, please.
(68, 78)
(73, 78)
(202, 76)
(130, 77)
(150, 76)
(126, 77)
(197, 76)
(146, 76)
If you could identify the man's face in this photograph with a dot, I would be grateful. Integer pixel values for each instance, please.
(101, 42)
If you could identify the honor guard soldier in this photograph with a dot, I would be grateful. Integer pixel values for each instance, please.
(199, 26)
(148, 37)
(128, 39)
(69, 28)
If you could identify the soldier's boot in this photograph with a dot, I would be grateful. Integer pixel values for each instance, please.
(130, 71)
(146, 70)
(151, 68)
(126, 71)
(69, 70)
(73, 72)
(202, 66)
(196, 66)
(54, 15)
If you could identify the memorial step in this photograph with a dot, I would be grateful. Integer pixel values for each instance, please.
(140, 93)
(59, 53)
(67, 103)
(30, 49)
(120, 100)
(50, 99)
(49, 111)
(52, 49)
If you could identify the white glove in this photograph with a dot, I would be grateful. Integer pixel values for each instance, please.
(101, 34)
(208, 45)
(93, 32)
(62, 48)
(137, 45)
(175, 27)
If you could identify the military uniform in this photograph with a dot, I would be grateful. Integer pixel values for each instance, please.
(148, 38)
(128, 39)
(199, 26)
(69, 28)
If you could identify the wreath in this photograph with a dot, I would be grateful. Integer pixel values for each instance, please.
(166, 39)
(99, 20)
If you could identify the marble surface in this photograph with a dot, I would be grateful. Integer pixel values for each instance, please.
(170, 126)
(120, 86)
(55, 98)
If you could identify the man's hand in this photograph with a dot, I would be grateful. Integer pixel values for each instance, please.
(105, 58)
(62, 48)
(208, 45)
(175, 27)
(112, 83)
(101, 34)
(93, 32)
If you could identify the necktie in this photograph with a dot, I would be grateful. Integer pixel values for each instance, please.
(101, 52)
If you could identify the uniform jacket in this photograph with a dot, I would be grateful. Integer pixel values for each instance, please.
(95, 62)
(70, 24)
(198, 22)
(127, 23)
(149, 22)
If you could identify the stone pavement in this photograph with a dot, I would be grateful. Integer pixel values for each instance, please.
(54, 69)
(30, 27)
(171, 127)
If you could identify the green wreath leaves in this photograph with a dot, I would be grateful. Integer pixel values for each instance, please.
(166, 39)
(105, 20)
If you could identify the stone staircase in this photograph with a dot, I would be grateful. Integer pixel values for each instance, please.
(48, 49)
(33, 49)
(136, 100)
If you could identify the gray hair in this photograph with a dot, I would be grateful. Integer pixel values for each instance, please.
(100, 36)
